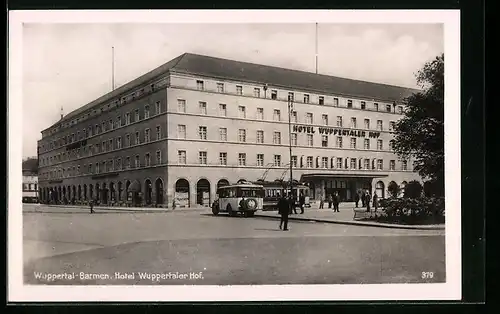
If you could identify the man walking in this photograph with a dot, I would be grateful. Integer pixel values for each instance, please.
(363, 198)
(375, 202)
(367, 201)
(330, 201)
(91, 203)
(284, 210)
(302, 202)
(336, 201)
(356, 198)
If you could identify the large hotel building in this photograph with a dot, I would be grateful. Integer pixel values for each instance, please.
(198, 122)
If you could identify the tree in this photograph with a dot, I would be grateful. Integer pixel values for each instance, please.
(413, 189)
(420, 133)
(393, 189)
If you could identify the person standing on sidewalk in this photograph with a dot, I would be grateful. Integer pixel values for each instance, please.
(336, 202)
(367, 201)
(284, 210)
(321, 202)
(330, 201)
(302, 202)
(375, 202)
(363, 198)
(356, 198)
(91, 203)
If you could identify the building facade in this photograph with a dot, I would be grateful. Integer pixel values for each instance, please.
(30, 187)
(197, 122)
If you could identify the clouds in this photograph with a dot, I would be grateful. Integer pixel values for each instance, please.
(70, 65)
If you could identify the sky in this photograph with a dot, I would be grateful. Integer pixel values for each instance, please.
(70, 65)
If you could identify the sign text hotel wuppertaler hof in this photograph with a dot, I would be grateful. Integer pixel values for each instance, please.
(335, 131)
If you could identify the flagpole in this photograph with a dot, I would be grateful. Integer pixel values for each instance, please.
(113, 68)
(316, 48)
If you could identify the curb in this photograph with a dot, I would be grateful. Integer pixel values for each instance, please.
(360, 223)
(133, 209)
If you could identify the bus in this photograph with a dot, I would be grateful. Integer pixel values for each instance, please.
(274, 189)
(243, 197)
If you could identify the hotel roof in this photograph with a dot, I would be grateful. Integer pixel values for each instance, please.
(257, 73)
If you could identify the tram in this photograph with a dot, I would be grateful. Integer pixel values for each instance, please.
(274, 189)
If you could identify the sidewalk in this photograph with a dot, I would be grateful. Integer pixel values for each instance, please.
(130, 209)
(345, 216)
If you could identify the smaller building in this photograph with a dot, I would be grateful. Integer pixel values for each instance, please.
(30, 187)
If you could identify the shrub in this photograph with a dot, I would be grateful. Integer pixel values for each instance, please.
(413, 189)
(394, 189)
(413, 210)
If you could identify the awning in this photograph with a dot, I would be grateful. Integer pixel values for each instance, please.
(345, 175)
(134, 186)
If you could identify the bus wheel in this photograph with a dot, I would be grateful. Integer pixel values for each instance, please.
(215, 210)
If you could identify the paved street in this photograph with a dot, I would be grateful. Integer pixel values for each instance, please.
(194, 247)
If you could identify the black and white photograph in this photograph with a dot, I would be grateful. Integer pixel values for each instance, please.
(231, 155)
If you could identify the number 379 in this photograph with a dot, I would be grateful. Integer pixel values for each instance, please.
(427, 275)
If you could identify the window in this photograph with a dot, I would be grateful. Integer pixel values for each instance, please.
(290, 96)
(127, 118)
(239, 90)
(181, 131)
(294, 116)
(256, 92)
(103, 147)
(202, 158)
(118, 124)
(147, 160)
(294, 161)
(321, 100)
(137, 161)
(354, 123)
(379, 125)
(392, 125)
(310, 140)
(103, 128)
(97, 170)
(353, 143)
(277, 138)
(181, 105)
(400, 109)
(309, 118)
(223, 134)
(199, 85)
(277, 115)
(223, 159)
(260, 113)
(146, 111)
(242, 159)
(379, 145)
(294, 139)
(110, 143)
(353, 163)
(242, 113)
(103, 165)
(324, 162)
(380, 164)
(242, 135)
(390, 144)
(158, 157)
(202, 131)
(90, 168)
(136, 117)
(203, 107)
(363, 105)
(339, 142)
(260, 136)
(375, 106)
(274, 94)
(147, 137)
(324, 119)
(158, 133)
(339, 121)
(260, 160)
(127, 163)
(181, 156)
(367, 123)
(222, 110)
(388, 108)
(404, 165)
(392, 165)
(91, 151)
(119, 164)
(366, 143)
(367, 164)
(306, 98)
(277, 160)
(324, 140)
(335, 102)
(137, 138)
(349, 103)
(111, 126)
(220, 87)
(158, 107)
(309, 162)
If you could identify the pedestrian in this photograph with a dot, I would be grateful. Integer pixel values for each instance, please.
(302, 202)
(91, 203)
(363, 198)
(336, 202)
(321, 202)
(375, 202)
(330, 201)
(367, 201)
(284, 210)
(356, 198)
